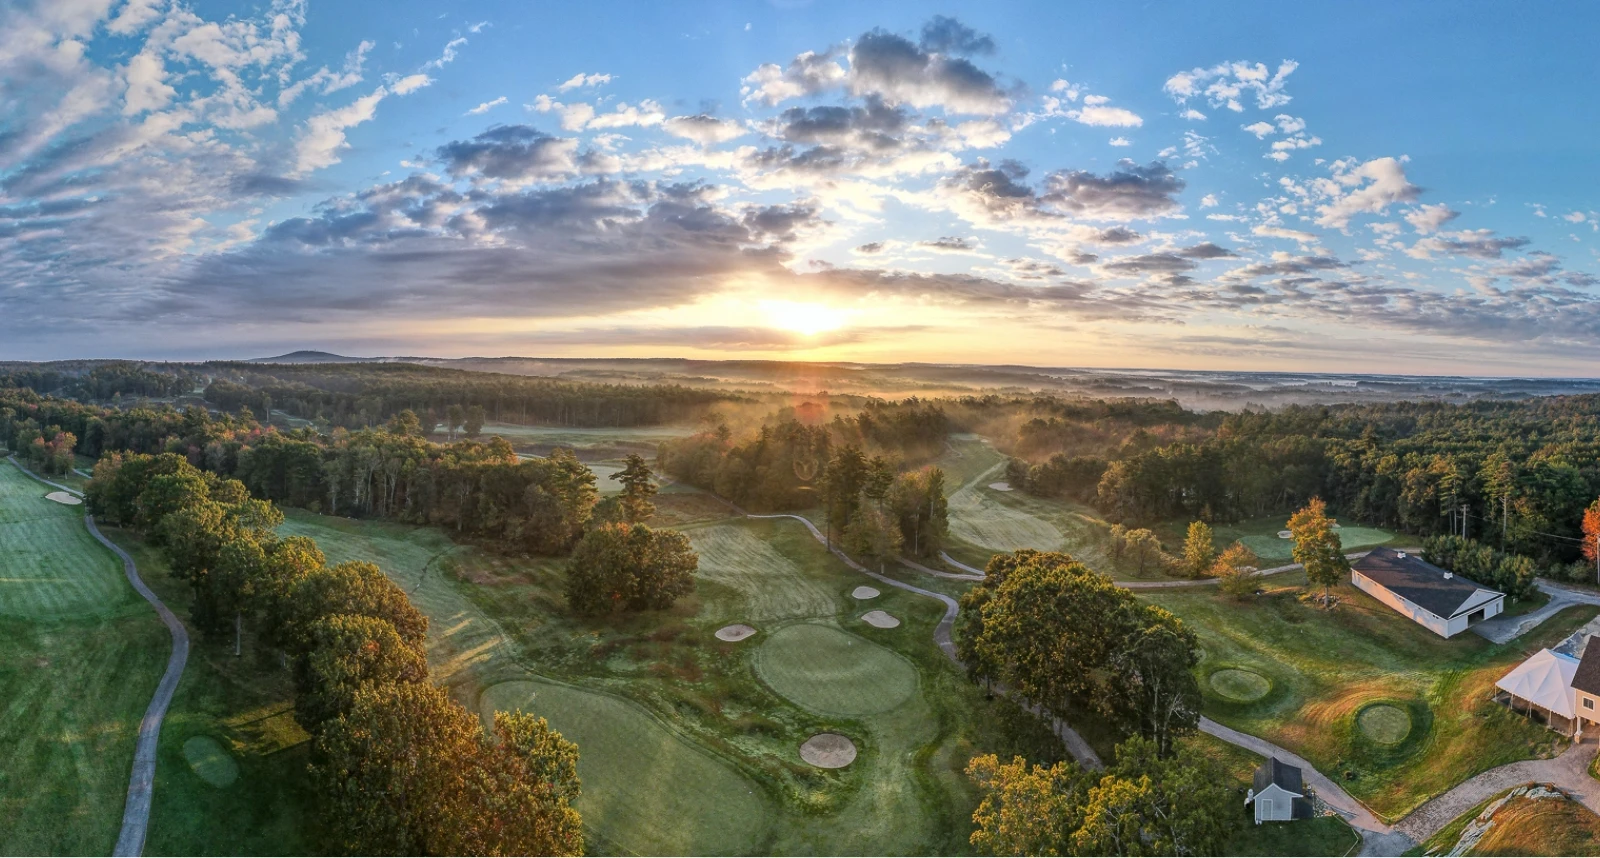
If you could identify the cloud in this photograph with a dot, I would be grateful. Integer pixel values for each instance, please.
(326, 81)
(1260, 129)
(1208, 201)
(1478, 244)
(949, 244)
(1120, 141)
(1373, 187)
(573, 117)
(322, 137)
(486, 106)
(899, 72)
(409, 84)
(942, 35)
(1427, 219)
(704, 129)
(512, 152)
(1106, 117)
(1225, 84)
(807, 74)
(1295, 235)
(446, 56)
(581, 80)
(1130, 192)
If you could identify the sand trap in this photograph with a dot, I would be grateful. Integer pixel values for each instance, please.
(63, 497)
(734, 633)
(1284, 534)
(828, 751)
(1000, 487)
(880, 619)
(864, 593)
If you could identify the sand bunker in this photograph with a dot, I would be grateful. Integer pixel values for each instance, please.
(1284, 534)
(63, 497)
(864, 593)
(1000, 486)
(828, 751)
(880, 619)
(734, 633)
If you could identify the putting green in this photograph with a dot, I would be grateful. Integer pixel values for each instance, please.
(1240, 685)
(833, 672)
(210, 761)
(1384, 723)
(645, 788)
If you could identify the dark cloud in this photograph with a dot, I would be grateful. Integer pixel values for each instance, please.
(1131, 192)
(948, 244)
(874, 125)
(510, 152)
(898, 71)
(1206, 250)
(871, 247)
(781, 223)
(944, 35)
(1479, 244)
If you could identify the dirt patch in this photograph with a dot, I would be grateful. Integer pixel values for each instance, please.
(864, 593)
(1001, 486)
(735, 633)
(64, 498)
(880, 619)
(828, 751)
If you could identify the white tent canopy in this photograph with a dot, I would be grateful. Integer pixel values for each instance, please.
(1545, 680)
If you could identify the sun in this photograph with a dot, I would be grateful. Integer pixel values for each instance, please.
(804, 318)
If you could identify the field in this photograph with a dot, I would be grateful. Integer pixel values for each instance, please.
(606, 440)
(657, 696)
(1395, 712)
(1516, 823)
(80, 654)
(1261, 536)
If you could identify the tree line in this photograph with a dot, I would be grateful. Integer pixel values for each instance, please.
(399, 767)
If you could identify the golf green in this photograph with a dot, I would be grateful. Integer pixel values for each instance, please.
(833, 672)
(1243, 686)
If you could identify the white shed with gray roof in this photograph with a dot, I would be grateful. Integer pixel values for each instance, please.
(1433, 597)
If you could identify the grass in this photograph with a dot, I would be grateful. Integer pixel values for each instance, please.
(1385, 723)
(1240, 685)
(1523, 826)
(80, 655)
(633, 768)
(642, 439)
(1327, 667)
(985, 518)
(1261, 536)
(212, 762)
(1325, 835)
(833, 672)
(499, 628)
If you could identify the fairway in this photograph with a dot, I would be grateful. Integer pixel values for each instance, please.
(1269, 547)
(978, 516)
(772, 586)
(833, 672)
(80, 654)
(51, 568)
(645, 788)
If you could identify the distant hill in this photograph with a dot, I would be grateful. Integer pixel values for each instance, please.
(305, 356)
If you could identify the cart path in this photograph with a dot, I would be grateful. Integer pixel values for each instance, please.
(141, 783)
(1080, 749)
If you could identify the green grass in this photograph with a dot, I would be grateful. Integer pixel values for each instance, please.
(833, 672)
(80, 655)
(1261, 536)
(210, 761)
(986, 518)
(1325, 835)
(769, 586)
(1327, 667)
(1385, 723)
(580, 439)
(1240, 685)
(646, 789)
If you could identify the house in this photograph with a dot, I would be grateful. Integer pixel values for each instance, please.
(1439, 600)
(1561, 690)
(1279, 793)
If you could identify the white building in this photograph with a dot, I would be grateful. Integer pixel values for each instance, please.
(1443, 602)
(1279, 793)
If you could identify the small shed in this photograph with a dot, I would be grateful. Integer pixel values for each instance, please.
(1279, 793)
(1434, 598)
(1542, 686)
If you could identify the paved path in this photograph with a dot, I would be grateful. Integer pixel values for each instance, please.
(959, 565)
(141, 783)
(1080, 749)
(1505, 629)
(1570, 772)
(957, 576)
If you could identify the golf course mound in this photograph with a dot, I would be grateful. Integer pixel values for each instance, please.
(1240, 685)
(626, 755)
(734, 633)
(64, 498)
(864, 593)
(210, 761)
(1384, 723)
(881, 620)
(833, 672)
(828, 751)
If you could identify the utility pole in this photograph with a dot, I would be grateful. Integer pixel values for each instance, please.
(1463, 521)
(1505, 516)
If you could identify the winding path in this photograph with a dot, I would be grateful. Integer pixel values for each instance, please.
(141, 783)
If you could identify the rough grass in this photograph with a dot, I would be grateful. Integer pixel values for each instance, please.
(1525, 826)
(646, 789)
(80, 655)
(833, 672)
(1327, 666)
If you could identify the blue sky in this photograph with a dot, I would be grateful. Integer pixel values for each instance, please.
(1350, 187)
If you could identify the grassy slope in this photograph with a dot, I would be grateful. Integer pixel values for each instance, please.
(1524, 826)
(498, 620)
(80, 654)
(1327, 835)
(1325, 667)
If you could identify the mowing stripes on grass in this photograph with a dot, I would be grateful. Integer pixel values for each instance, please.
(774, 587)
(50, 567)
(1384, 723)
(833, 672)
(645, 788)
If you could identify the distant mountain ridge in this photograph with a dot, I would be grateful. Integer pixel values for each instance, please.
(309, 356)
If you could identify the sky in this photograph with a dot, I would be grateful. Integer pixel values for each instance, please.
(1338, 187)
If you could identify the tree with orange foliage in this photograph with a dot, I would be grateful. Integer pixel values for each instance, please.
(1591, 536)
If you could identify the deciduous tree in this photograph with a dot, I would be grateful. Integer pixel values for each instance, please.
(1317, 547)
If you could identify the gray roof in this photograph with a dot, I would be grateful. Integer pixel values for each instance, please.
(1287, 777)
(1419, 582)
(1587, 677)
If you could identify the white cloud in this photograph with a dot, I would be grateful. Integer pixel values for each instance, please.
(409, 84)
(1192, 114)
(573, 116)
(1574, 217)
(1066, 90)
(323, 136)
(486, 106)
(647, 113)
(1224, 84)
(1092, 100)
(329, 81)
(146, 81)
(448, 55)
(1428, 218)
(583, 80)
(1208, 201)
(703, 129)
(1289, 124)
(1121, 141)
(1106, 117)
(1375, 185)
(1271, 231)
(1260, 129)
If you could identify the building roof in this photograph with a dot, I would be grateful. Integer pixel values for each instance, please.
(1588, 676)
(1287, 777)
(1423, 584)
(1545, 680)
